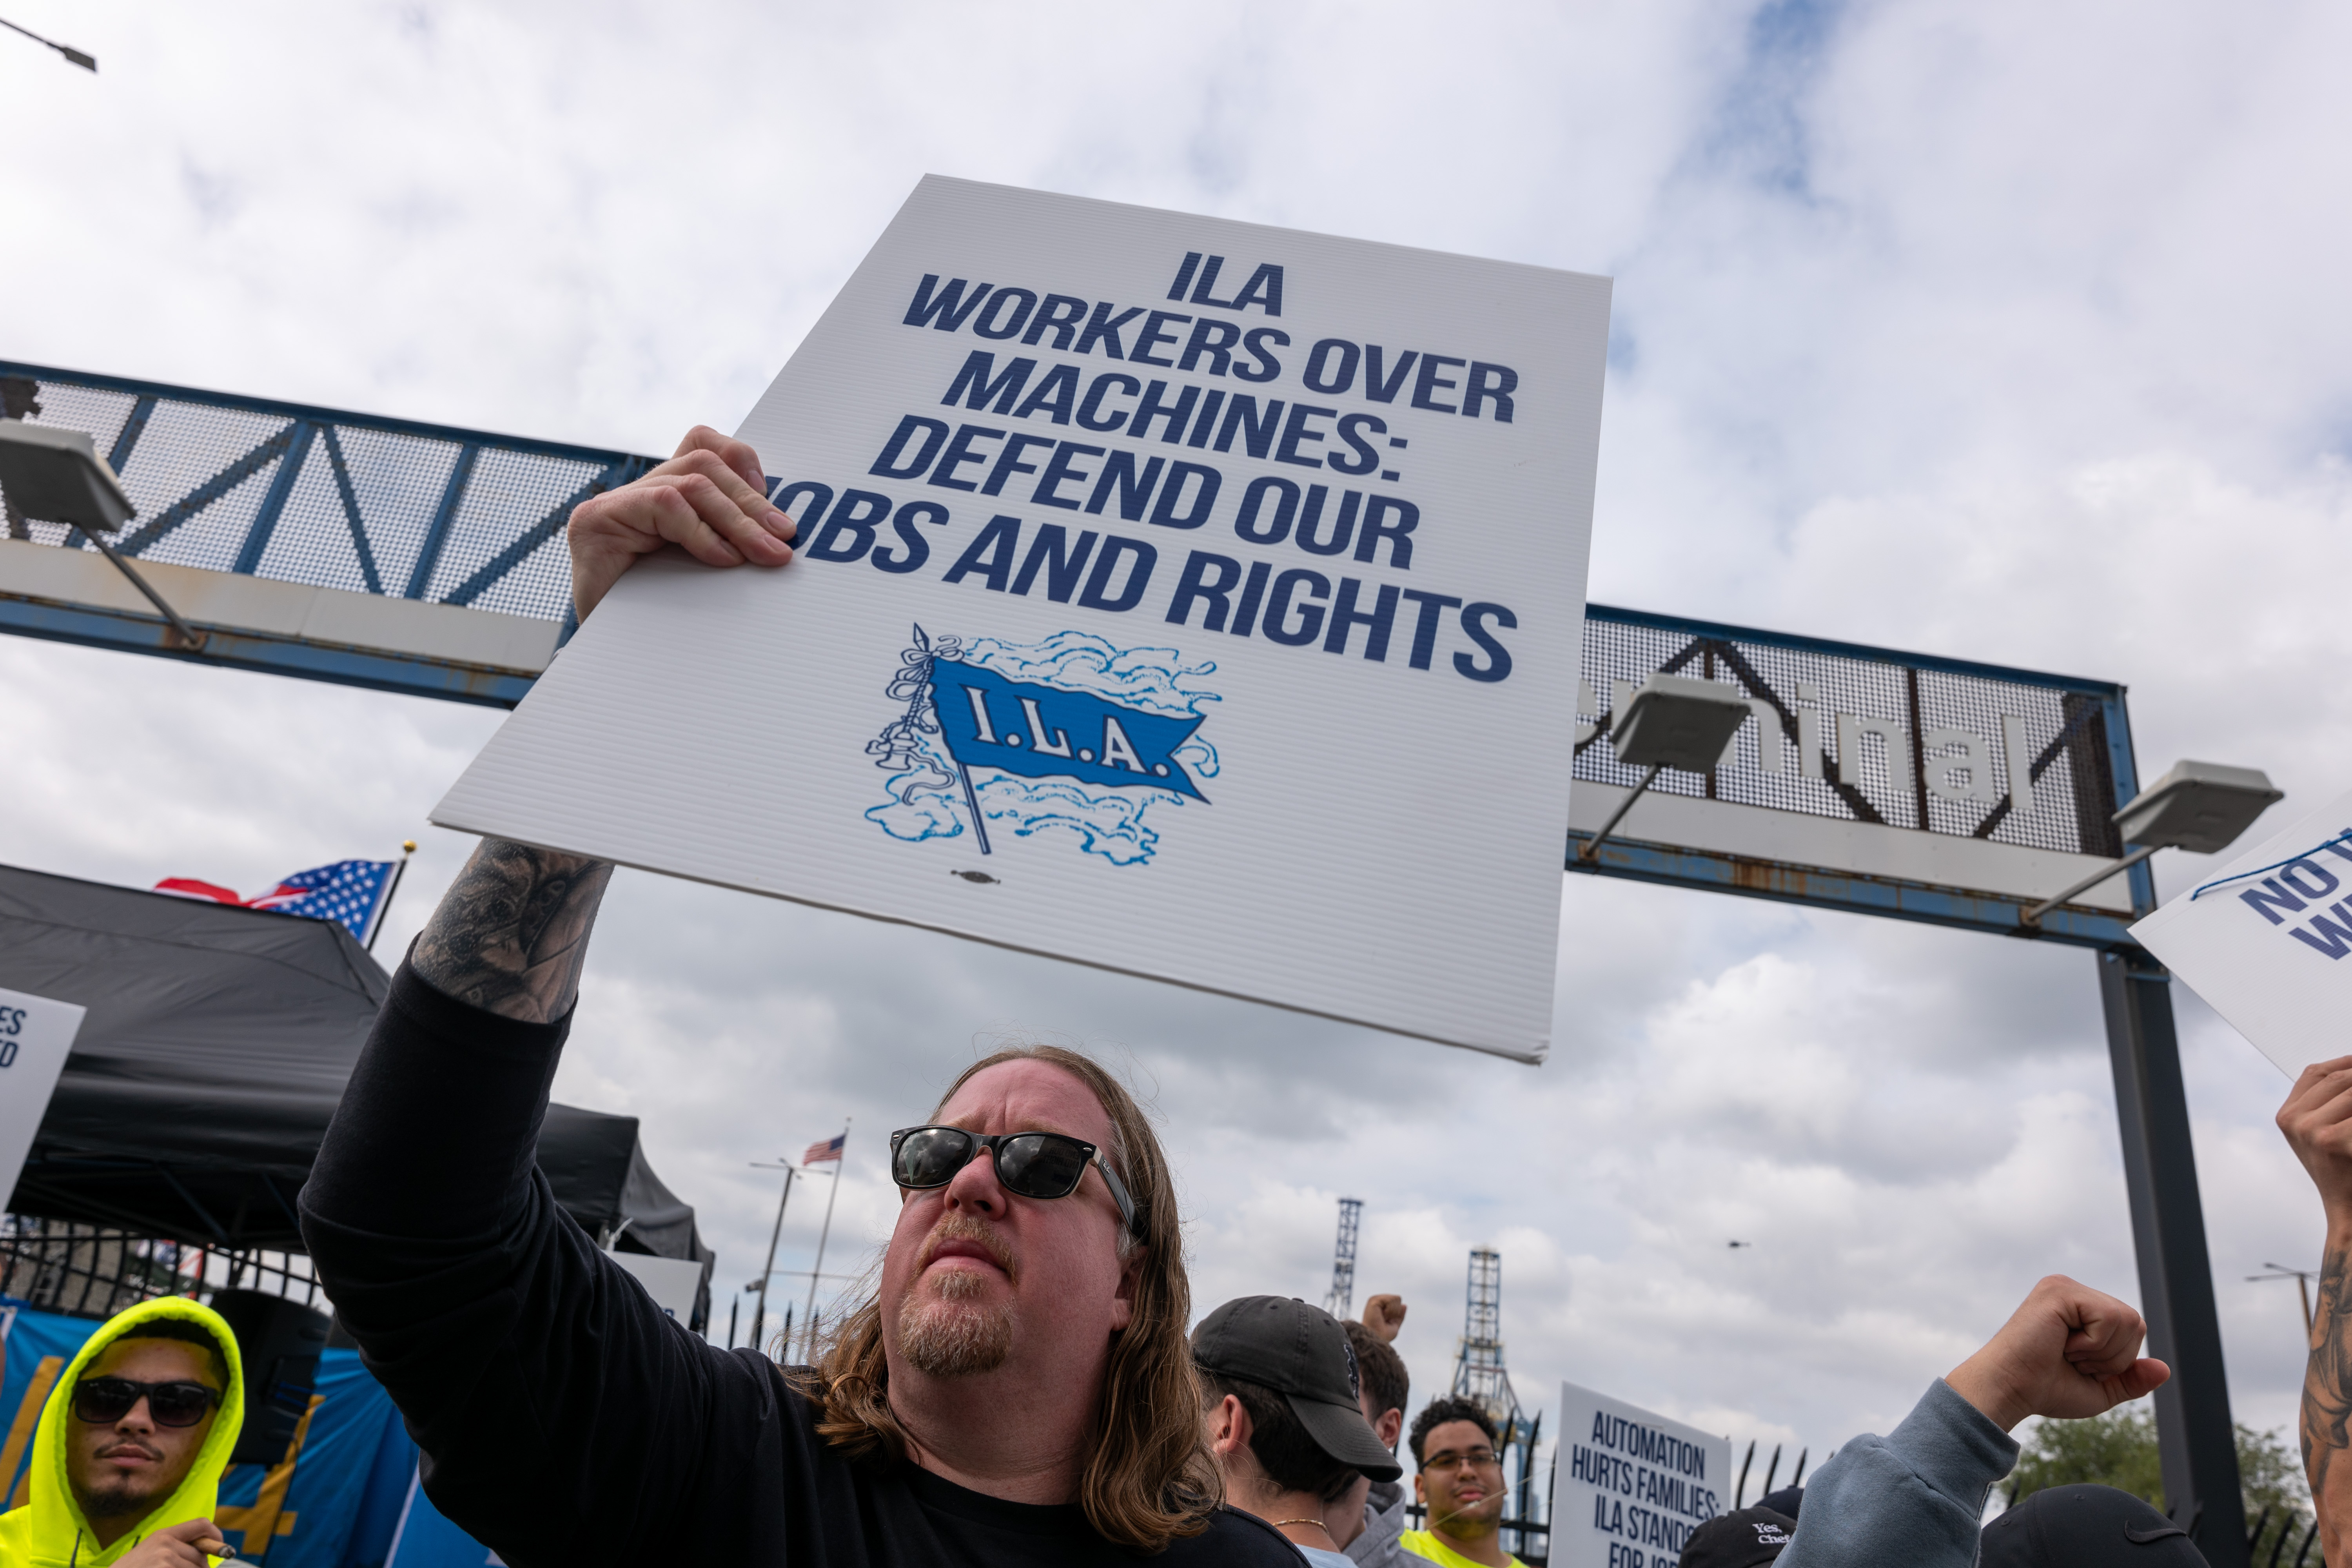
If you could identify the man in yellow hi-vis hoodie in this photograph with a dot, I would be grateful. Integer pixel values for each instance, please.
(127, 1462)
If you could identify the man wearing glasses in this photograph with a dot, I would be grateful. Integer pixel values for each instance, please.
(1017, 1391)
(1460, 1482)
(126, 1464)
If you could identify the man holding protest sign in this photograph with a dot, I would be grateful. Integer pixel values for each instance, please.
(1018, 1391)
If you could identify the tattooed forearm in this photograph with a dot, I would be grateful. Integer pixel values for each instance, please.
(2327, 1398)
(512, 932)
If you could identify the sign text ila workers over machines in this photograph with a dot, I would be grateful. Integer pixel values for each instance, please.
(1182, 597)
(1628, 1486)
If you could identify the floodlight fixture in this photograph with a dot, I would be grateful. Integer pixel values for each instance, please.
(54, 474)
(73, 56)
(1670, 722)
(2198, 807)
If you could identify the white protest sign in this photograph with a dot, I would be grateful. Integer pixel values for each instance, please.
(1187, 597)
(672, 1282)
(1627, 1485)
(2264, 938)
(35, 1036)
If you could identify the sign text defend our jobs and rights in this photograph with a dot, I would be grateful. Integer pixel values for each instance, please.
(1246, 592)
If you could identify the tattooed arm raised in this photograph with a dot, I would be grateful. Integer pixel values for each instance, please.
(2317, 1122)
(512, 932)
(567, 1418)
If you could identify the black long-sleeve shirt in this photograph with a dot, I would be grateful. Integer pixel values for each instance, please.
(564, 1418)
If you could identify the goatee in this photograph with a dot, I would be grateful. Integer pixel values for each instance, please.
(942, 1331)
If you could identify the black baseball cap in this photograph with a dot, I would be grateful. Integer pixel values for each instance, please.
(1740, 1540)
(2087, 1527)
(1302, 1354)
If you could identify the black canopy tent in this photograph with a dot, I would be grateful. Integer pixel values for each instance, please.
(216, 1045)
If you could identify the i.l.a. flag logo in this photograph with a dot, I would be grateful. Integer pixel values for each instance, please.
(1072, 734)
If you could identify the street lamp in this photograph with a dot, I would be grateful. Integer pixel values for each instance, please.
(73, 56)
(2198, 807)
(54, 474)
(759, 1313)
(1670, 722)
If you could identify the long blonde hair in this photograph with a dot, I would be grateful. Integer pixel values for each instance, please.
(1149, 1476)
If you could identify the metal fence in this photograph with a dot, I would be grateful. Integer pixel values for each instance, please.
(91, 1271)
(324, 496)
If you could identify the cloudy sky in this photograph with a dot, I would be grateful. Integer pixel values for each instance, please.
(2000, 332)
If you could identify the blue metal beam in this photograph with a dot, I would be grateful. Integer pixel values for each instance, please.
(452, 495)
(126, 440)
(134, 424)
(1683, 624)
(292, 411)
(281, 485)
(343, 473)
(194, 503)
(540, 532)
(411, 675)
(1852, 892)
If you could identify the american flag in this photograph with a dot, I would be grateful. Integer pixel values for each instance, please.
(830, 1149)
(352, 893)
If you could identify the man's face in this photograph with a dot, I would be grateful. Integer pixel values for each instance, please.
(977, 1278)
(1461, 1480)
(121, 1469)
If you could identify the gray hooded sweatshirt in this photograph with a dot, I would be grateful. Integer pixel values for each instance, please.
(1913, 1497)
(1383, 1522)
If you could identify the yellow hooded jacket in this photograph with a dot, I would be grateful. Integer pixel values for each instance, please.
(49, 1531)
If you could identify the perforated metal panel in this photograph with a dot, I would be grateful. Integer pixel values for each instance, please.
(1808, 689)
(325, 497)
(1931, 741)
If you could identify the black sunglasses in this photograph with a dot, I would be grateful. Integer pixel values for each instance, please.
(1034, 1164)
(104, 1401)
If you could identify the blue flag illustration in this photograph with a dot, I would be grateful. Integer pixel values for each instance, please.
(1039, 731)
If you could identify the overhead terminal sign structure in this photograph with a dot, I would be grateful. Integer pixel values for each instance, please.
(1974, 796)
(253, 534)
(1859, 778)
(1175, 596)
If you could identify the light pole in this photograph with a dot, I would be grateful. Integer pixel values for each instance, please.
(2302, 1278)
(808, 1321)
(2201, 807)
(73, 56)
(759, 1313)
(54, 474)
(1670, 722)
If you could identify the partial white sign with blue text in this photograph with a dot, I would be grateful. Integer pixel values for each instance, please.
(36, 1035)
(1629, 1485)
(1186, 597)
(2266, 939)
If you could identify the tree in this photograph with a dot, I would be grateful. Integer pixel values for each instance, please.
(2118, 1450)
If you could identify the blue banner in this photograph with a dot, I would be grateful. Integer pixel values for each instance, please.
(1041, 731)
(428, 1539)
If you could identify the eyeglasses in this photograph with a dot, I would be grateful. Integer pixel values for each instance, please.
(104, 1401)
(1032, 1165)
(1477, 1460)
